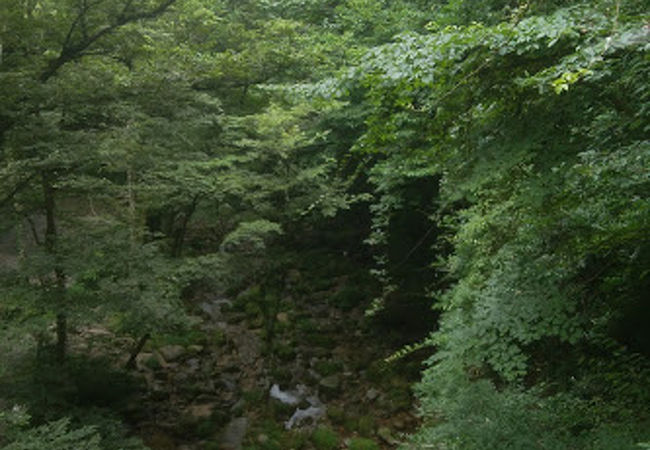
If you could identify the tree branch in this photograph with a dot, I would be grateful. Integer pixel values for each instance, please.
(16, 189)
(71, 52)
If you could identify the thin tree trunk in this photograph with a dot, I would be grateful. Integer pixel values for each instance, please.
(61, 336)
(32, 226)
(50, 248)
(136, 351)
(132, 207)
(179, 234)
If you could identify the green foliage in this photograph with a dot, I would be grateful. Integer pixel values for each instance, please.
(516, 419)
(50, 389)
(57, 435)
(97, 430)
(529, 125)
(249, 237)
(151, 151)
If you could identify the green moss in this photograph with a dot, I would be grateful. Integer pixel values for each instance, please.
(152, 363)
(319, 339)
(217, 338)
(366, 426)
(251, 295)
(297, 440)
(281, 374)
(201, 428)
(347, 298)
(325, 438)
(350, 423)
(336, 415)
(252, 310)
(305, 325)
(399, 399)
(184, 337)
(280, 411)
(205, 428)
(254, 396)
(276, 438)
(377, 372)
(328, 367)
(284, 352)
(363, 444)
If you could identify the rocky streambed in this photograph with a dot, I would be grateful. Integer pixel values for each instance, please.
(305, 373)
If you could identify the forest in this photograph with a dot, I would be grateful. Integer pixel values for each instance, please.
(324, 224)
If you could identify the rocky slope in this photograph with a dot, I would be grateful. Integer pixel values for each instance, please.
(301, 370)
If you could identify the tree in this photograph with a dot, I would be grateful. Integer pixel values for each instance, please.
(528, 132)
(47, 129)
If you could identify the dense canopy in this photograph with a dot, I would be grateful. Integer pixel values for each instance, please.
(473, 176)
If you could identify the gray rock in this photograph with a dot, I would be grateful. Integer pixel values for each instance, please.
(248, 345)
(238, 407)
(96, 331)
(192, 365)
(331, 383)
(282, 317)
(146, 361)
(195, 348)
(236, 317)
(201, 411)
(229, 383)
(372, 394)
(386, 436)
(233, 434)
(213, 309)
(172, 352)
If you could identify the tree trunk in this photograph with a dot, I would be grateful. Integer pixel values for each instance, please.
(61, 336)
(59, 275)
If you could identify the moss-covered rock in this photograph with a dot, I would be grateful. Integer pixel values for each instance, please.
(366, 426)
(336, 415)
(284, 352)
(325, 438)
(328, 367)
(363, 444)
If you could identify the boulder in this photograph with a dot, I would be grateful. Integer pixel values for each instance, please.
(233, 434)
(201, 411)
(385, 434)
(330, 384)
(146, 361)
(195, 349)
(172, 352)
(282, 317)
(372, 394)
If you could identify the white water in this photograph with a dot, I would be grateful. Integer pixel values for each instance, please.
(314, 412)
(286, 397)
